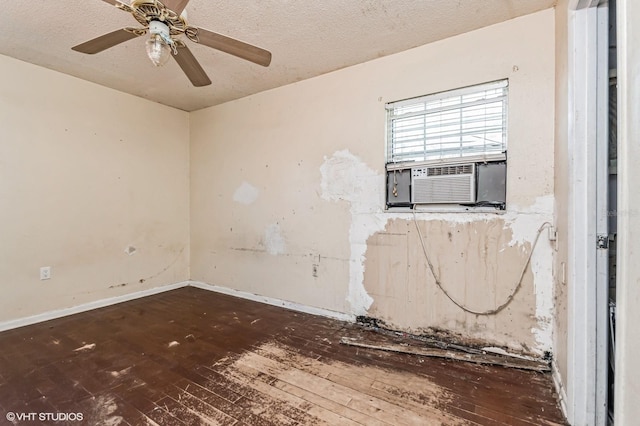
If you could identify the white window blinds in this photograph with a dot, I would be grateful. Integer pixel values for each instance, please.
(453, 124)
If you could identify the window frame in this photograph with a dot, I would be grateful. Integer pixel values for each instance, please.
(431, 109)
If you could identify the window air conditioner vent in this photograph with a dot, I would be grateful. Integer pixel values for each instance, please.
(444, 184)
(459, 169)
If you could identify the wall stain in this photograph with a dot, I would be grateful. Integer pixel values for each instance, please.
(474, 262)
(118, 285)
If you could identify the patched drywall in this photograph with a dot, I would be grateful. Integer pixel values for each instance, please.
(315, 152)
(478, 258)
(347, 178)
(274, 241)
(246, 194)
(477, 265)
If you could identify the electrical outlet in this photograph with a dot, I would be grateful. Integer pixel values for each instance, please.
(45, 273)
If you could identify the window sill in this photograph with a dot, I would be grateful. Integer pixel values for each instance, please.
(453, 208)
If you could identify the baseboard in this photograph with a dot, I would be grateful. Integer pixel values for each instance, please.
(34, 319)
(557, 381)
(275, 302)
(59, 313)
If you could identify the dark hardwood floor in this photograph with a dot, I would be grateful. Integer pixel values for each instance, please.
(190, 356)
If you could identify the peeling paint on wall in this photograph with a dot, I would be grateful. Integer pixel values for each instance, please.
(475, 264)
(246, 194)
(347, 178)
(525, 224)
(524, 221)
(274, 242)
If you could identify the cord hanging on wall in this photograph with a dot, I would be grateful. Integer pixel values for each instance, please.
(460, 305)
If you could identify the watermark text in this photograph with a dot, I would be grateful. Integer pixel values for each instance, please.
(43, 417)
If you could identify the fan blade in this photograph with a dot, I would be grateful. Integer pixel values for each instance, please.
(176, 5)
(234, 47)
(191, 67)
(120, 5)
(104, 42)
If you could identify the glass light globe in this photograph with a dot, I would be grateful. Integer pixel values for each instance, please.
(157, 50)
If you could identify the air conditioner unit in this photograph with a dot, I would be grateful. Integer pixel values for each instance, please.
(444, 184)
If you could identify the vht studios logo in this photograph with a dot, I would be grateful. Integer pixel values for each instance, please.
(44, 417)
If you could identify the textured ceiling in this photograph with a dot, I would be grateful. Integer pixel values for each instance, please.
(306, 37)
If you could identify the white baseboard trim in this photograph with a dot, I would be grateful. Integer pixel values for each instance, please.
(557, 381)
(59, 313)
(275, 302)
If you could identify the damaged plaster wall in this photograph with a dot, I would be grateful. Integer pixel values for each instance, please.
(314, 153)
(346, 178)
(478, 259)
(94, 184)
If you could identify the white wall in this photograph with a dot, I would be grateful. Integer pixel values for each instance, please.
(627, 387)
(85, 173)
(562, 193)
(292, 180)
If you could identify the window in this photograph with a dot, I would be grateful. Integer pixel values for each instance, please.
(449, 149)
(459, 123)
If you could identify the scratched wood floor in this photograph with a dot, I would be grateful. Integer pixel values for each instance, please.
(191, 356)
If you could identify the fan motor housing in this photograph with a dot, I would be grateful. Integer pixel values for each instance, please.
(147, 11)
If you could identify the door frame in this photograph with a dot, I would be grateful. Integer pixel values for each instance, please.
(588, 212)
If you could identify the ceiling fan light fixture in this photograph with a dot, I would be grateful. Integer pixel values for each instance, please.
(158, 49)
(164, 22)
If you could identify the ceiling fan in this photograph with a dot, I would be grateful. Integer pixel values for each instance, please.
(165, 21)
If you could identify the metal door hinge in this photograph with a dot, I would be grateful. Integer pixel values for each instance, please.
(602, 242)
